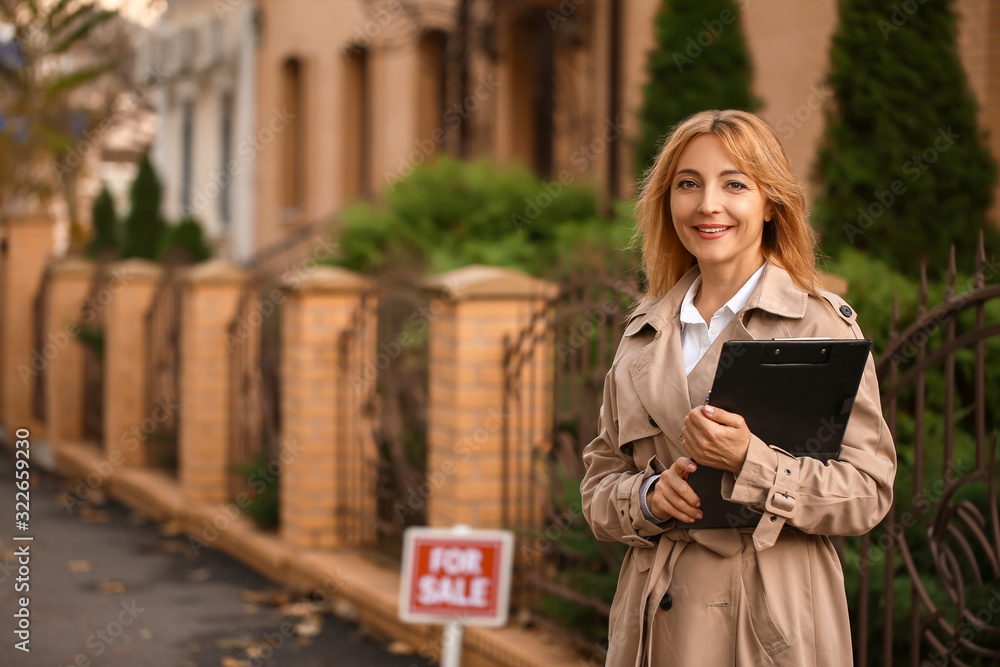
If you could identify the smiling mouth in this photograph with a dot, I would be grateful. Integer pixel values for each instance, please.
(711, 230)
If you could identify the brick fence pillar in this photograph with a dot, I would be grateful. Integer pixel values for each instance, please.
(130, 293)
(327, 493)
(475, 307)
(29, 247)
(68, 290)
(209, 302)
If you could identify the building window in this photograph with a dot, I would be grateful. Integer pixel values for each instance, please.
(533, 73)
(293, 172)
(187, 148)
(431, 87)
(357, 125)
(226, 178)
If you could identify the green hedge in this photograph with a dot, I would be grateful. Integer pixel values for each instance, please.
(872, 284)
(452, 214)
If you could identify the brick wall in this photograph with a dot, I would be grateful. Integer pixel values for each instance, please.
(29, 247)
(789, 42)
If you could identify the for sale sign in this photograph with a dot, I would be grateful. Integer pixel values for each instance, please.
(456, 575)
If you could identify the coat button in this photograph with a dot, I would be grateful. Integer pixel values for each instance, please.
(846, 310)
(667, 602)
(774, 518)
(653, 423)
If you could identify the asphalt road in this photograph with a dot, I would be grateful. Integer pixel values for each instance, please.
(109, 589)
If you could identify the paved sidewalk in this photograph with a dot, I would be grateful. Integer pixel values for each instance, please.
(108, 589)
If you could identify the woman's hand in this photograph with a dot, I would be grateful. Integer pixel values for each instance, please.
(716, 438)
(671, 496)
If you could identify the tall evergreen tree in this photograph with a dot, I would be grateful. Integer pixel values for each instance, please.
(184, 242)
(903, 172)
(105, 222)
(144, 225)
(700, 62)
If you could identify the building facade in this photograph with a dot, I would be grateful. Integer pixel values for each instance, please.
(359, 92)
(202, 54)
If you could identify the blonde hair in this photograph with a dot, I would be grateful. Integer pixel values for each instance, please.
(789, 240)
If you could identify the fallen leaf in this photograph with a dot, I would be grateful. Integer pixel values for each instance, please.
(344, 609)
(400, 648)
(270, 597)
(311, 626)
(114, 587)
(171, 528)
(90, 515)
(299, 609)
(80, 566)
(240, 643)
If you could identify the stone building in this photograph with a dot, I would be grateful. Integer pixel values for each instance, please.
(353, 94)
(202, 55)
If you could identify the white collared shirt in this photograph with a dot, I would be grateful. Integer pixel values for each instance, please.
(696, 338)
(696, 335)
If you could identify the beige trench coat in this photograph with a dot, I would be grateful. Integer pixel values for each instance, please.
(773, 595)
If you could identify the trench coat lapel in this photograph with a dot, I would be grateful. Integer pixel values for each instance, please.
(658, 371)
(665, 390)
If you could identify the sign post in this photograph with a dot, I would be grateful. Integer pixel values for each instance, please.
(455, 577)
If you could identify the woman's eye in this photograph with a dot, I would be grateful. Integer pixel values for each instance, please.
(736, 185)
(686, 184)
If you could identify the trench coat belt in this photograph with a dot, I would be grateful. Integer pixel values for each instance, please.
(726, 543)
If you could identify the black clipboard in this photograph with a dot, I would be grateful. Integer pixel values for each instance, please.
(794, 394)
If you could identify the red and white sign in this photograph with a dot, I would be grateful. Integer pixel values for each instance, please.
(456, 575)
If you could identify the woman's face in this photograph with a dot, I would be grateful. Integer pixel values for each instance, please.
(718, 211)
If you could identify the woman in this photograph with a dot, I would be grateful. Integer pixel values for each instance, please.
(729, 254)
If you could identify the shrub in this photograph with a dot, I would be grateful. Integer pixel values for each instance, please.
(902, 166)
(144, 225)
(144, 233)
(105, 222)
(452, 214)
(185, 237)
(700, 62)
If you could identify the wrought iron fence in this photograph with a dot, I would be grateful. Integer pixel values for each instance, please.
(39, 360)
(162, 327)
(91, 335)
(938, 549)
(358, 489)
(396, 386)
(558, 557)
(254, 342)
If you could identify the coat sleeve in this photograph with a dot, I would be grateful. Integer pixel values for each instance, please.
(848, 496)
(611, 483)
